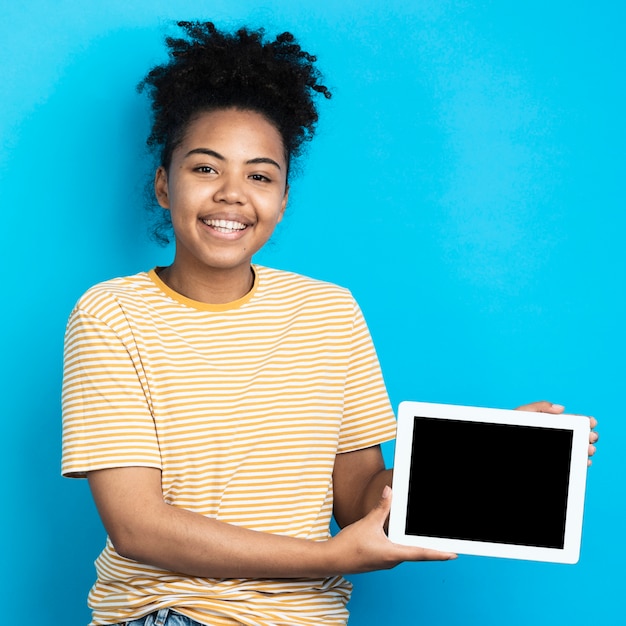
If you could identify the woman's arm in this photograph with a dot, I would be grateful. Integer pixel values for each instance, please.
(143, 527)
(359, 478)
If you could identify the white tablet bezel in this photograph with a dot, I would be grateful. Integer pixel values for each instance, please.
(580, 427)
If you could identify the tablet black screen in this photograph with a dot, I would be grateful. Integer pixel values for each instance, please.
(489, 482)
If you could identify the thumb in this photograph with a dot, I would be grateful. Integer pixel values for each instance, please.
(382, 508)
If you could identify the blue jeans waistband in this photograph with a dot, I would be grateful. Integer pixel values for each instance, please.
(163, 617)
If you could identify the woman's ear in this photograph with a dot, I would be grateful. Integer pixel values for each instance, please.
(284, 203)
(160, 188)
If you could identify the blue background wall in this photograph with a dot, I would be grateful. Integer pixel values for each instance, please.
(467, 184)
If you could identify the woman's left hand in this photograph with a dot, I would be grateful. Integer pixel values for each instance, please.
(549, 407)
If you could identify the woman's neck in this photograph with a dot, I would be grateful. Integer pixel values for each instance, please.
(210, 287)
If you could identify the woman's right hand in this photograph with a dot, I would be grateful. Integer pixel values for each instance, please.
(363, 546)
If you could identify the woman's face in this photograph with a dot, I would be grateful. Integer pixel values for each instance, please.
(226, 189)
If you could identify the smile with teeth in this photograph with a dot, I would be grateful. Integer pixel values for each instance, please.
(225, 226)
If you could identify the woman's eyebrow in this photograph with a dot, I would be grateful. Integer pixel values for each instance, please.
(263, 160)
(206, 151)
(219, 156)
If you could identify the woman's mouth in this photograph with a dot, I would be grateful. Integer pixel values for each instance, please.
(225, 226)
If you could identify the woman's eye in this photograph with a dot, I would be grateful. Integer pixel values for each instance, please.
(260, 178)
(204, 169)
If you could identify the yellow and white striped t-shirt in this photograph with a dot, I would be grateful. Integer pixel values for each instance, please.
(242, 407)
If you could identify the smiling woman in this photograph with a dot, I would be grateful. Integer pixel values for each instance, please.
(223, 411)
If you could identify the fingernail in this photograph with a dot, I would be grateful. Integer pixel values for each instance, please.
(558, 407)
(386, 491)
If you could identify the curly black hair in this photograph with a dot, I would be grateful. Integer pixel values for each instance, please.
(210, 69)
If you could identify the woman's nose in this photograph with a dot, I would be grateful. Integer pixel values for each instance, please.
(230, 190)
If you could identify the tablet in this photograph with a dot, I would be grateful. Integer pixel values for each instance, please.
(489, 482)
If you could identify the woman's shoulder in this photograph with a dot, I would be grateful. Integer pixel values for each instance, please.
(124, 288)
(292, 284)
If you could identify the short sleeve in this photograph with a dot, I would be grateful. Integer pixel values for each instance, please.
(107, 421)
(368, 418)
